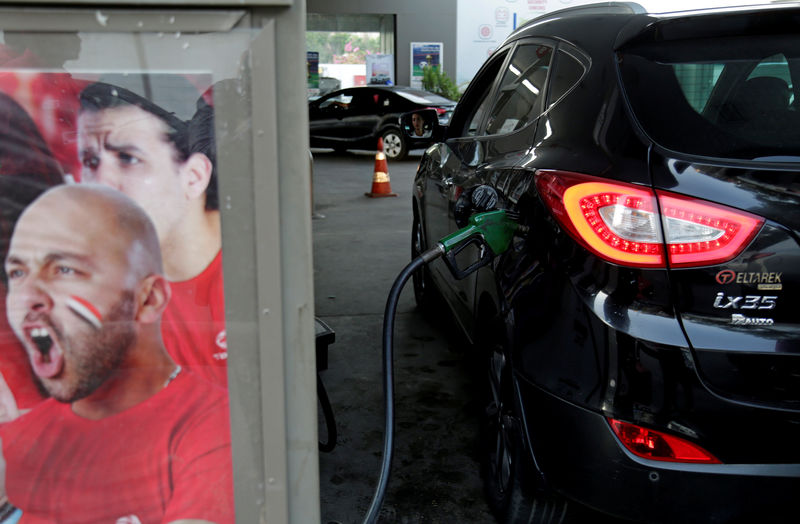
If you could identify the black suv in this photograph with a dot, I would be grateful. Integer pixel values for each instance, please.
(642, 337)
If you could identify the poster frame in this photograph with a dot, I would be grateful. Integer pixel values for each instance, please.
(433, 49)
(272, 478)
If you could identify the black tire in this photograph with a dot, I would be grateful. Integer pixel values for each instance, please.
(424, 292)
(394, 145)
(514, 492)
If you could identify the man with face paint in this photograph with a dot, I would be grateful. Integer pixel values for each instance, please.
(27, 168)
(164, 159)
(126, 435)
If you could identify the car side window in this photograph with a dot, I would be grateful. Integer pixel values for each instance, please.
(340, 101)
(363, 103)
(473, 105)
(520, 98)
(567, 71)
(475, 121)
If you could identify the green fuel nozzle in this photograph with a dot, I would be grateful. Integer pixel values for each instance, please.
(494, 227)
(490, 232)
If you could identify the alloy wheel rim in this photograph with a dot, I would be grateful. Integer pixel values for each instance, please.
(391, 144)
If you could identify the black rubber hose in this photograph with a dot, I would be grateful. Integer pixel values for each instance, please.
(388, 381)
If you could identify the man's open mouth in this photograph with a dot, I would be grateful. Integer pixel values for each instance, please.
(43, 341)
(45, 352)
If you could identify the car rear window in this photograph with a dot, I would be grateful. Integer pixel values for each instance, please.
(725, 97)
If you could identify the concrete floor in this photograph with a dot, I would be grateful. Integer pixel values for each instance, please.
(360, 246)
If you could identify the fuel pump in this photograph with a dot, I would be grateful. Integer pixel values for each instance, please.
(491, 233)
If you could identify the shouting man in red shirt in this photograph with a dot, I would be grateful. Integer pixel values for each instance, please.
(126, 435)
(164, 159)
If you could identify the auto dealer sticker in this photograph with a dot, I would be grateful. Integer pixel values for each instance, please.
(766, 280)
(742, 320)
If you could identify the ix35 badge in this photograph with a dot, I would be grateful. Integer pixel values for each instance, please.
(723, 301)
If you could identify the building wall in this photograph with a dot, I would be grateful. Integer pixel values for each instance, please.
(416, 21)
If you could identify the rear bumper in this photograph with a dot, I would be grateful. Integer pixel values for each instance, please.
(581, 458)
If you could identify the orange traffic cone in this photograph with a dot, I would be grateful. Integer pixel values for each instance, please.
(380, 180)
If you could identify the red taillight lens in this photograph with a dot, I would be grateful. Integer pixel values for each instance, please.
(655, 445)
(439, 110)
(619, 223)
(622, 224)
(702, 233)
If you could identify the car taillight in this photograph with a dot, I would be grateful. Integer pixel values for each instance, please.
(702, 233)
(439, 110)
(632, 225)
(655, 445)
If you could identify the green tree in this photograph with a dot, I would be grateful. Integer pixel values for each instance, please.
(436, 81)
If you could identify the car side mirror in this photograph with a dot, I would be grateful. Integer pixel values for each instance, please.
(422, 124)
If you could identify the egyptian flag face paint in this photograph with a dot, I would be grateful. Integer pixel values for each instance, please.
(84, 309)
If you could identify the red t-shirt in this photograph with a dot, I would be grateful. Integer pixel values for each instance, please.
(165, 459)
(193, 325)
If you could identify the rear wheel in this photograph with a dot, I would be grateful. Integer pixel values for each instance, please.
(514, 492)
(394, 146)
(424, 294)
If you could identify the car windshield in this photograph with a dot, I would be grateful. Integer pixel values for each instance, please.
(731, 97)
(423, 97)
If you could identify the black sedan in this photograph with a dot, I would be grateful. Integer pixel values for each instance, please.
(356, 117)
(641, 335)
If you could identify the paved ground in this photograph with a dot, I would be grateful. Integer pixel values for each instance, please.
(360, 245)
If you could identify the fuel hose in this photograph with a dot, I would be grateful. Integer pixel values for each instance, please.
(491, 233)
(388, 376)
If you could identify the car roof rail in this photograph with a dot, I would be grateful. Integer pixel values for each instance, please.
(589, 9)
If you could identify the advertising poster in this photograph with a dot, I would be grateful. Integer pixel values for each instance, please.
(424, 54)
(312, 72)
(380, 69)
(113, 350)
